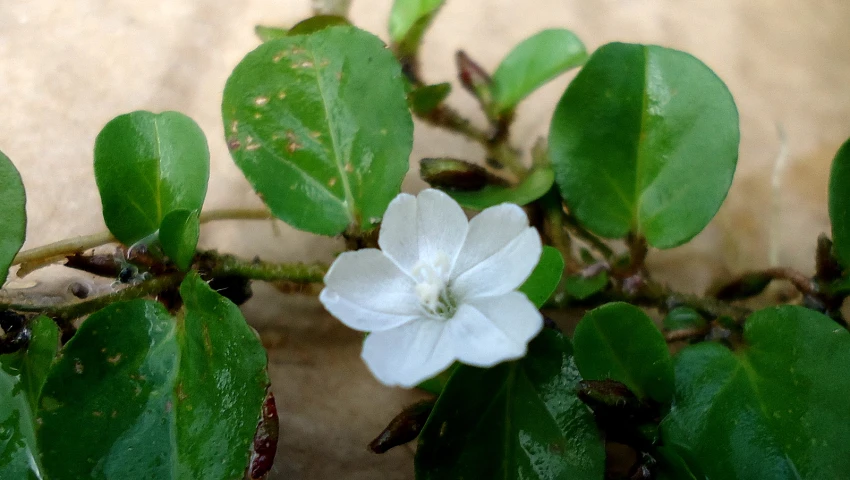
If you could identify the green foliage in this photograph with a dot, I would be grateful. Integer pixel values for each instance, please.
(137, 393)
(534, 186)
(22, 376)
(619, 342)
(533, 62)
(408, 21)
(320, 127)
(545, 277)
(683, 318)
(643, 145)
(423, 100)
(774, 408)
(265, 33)
(13, 214)
(178, 235)
(839, 204)
(519, 419)
(146, 166)
(314, 24)
(580, 287)
(644, 140)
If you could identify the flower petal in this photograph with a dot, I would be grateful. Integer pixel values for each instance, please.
(494, 329)
(513, 313)
(417, 229)
(442, 225)
(358, 317)
(489, 231)
(409, 354)
(370, 280)
(399, 232)
(501, 272)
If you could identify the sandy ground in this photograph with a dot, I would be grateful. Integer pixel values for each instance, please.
(66, 68)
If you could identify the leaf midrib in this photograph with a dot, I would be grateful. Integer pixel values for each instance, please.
(346, 185)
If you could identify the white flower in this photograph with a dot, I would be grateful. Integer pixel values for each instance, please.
(441, 289)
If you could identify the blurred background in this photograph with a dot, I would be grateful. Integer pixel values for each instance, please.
(68, 67)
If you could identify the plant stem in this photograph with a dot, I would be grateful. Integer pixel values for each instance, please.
(64, 314)
(210, 264)
(214, 265)
(592, 240)
(79, 244)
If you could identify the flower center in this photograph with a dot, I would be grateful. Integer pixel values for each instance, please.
(432, 276)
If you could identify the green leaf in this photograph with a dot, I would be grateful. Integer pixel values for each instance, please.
(265, 33)
(22, 375)
(408, 21)
(545, 277)
(775, 408)
(580, 287)
(436, 384)
(139, 394)
(533, 62)
(314, 24)
(644, 140)
(839, 204)
(320, 127)
(147, 165)
(535, 185)
(618, 341)
(683, 318)
(179, 236)
(424, 99)
(520, 419)
(13, 215)
(747, 285)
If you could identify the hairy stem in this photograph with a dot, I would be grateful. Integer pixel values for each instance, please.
(79, 244)
(210, 265)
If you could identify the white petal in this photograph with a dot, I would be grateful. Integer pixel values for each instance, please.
(489, 231)
(358, 317)
(495, 329)
(399, 232)
(442, 225)
(409, 354)
(501, 272)
(513, 313)
(370, 280)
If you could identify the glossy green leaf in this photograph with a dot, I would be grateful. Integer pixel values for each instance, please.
(140, 394)
(618, 341)
(775, 408)
(265, 33)
(425, 99)
(22, 375)
(319, 125)
(533, 62)
(179, 236)
(645, 139)
(535, 185)
(520, 419)
(839, 204)
(13, 215)
(580, 287)
(408, 21)
(314, 24)
(147, 165)
(545, 277)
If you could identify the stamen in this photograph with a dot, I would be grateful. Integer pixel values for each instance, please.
(432, 276)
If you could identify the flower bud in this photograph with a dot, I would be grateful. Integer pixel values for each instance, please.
(452, 174)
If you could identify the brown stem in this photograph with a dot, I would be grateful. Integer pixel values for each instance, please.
(592, 240)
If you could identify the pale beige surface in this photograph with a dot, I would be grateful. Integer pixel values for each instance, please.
(67, 67)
